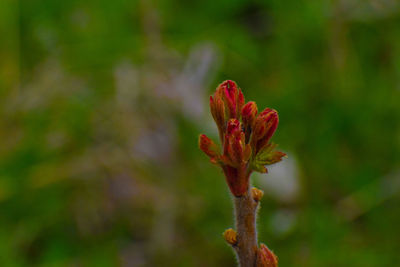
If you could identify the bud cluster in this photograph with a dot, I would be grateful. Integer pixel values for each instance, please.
(245, 136)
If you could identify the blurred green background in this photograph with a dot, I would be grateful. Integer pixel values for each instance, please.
(101, 104)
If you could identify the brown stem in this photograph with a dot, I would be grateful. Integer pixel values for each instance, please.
(245, 212)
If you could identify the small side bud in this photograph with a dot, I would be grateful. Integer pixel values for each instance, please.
(230, 236)
(266, 258)
(257, 194)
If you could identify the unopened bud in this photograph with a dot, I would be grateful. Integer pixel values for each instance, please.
(233, 125)
(233, 97)
(264, 127)
(217, 107)
(266, 258)
(208, 146)
(230, 236)
(257, 194)
(234, 145)
(249, 113)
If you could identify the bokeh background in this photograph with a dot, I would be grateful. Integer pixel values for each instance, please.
(101, 104)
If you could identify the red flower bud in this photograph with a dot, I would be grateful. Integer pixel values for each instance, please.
(237, 144)
(266, 258)
(249, 112)
(233, 126)
(208, 146)
(236, 155)
(234, 142)
(232, 96)
(264, 127)
(218, 111)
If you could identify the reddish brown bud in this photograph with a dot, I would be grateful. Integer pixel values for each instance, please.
(234, 145)
(208, 146)
(262, 119)
(233, 126)
(266, 258)
(264, 127)
(232, 96)
(237, 143)
(249, 113)
(218, 111)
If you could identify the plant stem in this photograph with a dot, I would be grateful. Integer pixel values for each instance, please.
(245, 213)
